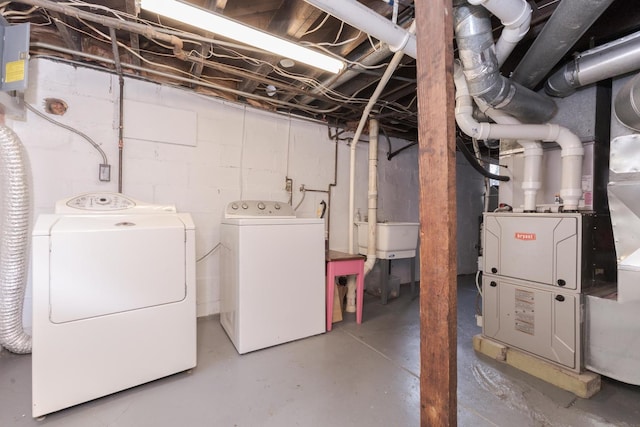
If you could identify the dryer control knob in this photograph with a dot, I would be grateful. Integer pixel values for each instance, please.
(277, 206)
(234, 206)
(245, 206)
(261, 206)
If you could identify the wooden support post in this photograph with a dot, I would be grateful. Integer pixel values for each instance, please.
(437, 162)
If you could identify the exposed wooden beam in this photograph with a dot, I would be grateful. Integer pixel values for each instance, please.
(70, 37)
(437, 175)
(134, 39)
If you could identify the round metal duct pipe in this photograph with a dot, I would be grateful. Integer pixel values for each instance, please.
(627, 104)
(609, 60)
(568, 23)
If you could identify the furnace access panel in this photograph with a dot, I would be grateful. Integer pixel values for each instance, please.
(541, 248)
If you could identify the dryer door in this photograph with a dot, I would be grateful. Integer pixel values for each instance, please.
(107, 264)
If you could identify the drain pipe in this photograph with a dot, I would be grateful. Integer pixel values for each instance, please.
(609, 60)
(372, 213)
(476, 51)
(14, 223)
(569, 22)
(363, 18)
(515, 15)
(572, 150)
(393, 64)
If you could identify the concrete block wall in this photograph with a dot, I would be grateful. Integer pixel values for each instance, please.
(239, 152)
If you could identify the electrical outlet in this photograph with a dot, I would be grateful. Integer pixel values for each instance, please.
(288, 185)
(479, 320)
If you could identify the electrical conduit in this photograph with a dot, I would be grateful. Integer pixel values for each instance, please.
(14, 242)
(572, 150)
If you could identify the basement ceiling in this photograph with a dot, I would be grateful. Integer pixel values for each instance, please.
(222, 68)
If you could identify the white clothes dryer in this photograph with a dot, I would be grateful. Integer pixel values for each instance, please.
(113, 298)
(272, 275)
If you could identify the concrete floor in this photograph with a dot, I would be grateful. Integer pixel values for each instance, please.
(356, 375)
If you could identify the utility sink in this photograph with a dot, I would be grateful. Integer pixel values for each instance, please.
(393, 239)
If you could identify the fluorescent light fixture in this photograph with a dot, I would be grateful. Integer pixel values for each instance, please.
(218, 24)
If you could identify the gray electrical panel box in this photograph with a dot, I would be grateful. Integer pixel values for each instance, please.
(14, 56)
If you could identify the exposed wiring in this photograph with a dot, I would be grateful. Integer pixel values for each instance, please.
(212, 250)
(326, 18)
(69, 128)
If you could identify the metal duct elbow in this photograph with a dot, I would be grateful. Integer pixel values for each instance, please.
(14, 226)
(477, 53)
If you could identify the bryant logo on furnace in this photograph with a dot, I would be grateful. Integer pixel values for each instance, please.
(525, 236)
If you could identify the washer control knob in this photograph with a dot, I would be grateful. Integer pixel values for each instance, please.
(277, 206)
(234, 206)
(245, 206)
(261, 206)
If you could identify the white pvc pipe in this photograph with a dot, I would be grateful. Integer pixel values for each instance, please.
(373, 195)
(572, 150)
(372, 214)
(533, 152)
(515, 15)
(393, 64)
(363, 18)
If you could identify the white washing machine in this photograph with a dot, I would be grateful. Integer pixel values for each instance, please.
(272, 275)
(113, 298)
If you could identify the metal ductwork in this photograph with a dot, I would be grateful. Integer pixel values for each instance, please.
(477, 52)
(14, 241)
(627, 104)
(609, 60)
(568, 23)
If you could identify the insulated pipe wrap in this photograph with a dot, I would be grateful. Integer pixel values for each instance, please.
(14, 229)
(480, 65)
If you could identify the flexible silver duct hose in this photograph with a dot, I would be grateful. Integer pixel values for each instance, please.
(14, 241)
(480, 65)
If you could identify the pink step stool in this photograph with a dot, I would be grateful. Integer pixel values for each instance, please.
(343, 264)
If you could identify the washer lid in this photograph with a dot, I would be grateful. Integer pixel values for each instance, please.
(101, 265)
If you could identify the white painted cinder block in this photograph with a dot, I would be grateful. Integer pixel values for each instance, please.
(240, 153)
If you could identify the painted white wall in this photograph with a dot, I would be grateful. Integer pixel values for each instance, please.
(239, 152)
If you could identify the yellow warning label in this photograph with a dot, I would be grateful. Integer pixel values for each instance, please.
(14, 71)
